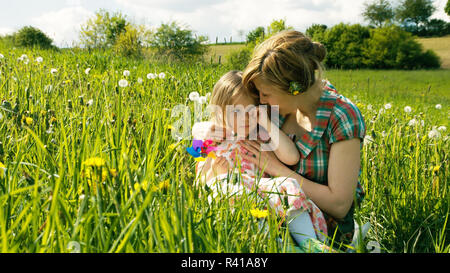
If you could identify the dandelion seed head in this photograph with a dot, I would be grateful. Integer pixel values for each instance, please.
(123, 83)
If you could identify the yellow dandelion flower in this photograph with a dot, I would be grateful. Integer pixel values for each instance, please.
(94, 162)
(259, 213)
(52, 120)
(359, 105)
(144, 185)
(113, 172)
(436, 168)
(29, 121)
(137, 187)
(172, 146)
(295, 93)
(2, 170)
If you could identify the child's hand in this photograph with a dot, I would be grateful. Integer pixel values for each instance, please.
(220, 166)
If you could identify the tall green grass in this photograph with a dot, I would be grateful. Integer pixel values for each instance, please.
(147, 202)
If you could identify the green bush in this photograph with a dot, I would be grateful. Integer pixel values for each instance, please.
(32, 37)
(103, 30)
(345, 44)
(392, 47)
(173, 41)
(356, 46)
(130, 42)
(238, 59)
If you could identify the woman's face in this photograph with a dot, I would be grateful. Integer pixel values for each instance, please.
(272, 95)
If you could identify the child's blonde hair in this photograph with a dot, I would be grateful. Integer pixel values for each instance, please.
(286, 57)
(225, 92)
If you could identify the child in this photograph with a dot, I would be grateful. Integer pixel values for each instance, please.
(304, 217)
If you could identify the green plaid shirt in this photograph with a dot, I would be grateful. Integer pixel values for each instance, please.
(338, 119)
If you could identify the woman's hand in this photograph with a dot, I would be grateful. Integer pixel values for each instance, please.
(265, 160)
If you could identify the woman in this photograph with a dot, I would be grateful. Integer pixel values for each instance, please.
(328, 129)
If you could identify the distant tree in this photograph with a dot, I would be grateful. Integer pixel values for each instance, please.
(378, 11)
(131, 42)
(316, 31)
(103, 30)
(277, 26)
(32, 37)
(447, 8)
(173, 40)
(256, 34)
(416, 11)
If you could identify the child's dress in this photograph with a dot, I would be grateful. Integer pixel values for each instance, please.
(283, 194)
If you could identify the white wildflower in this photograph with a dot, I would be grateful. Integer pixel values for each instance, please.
(1, 56)
(412, 122)
(123, 83)
(368, 139)
(139, 80)
(407, 109)
(438, 106)
(151, 76)
(162, 75)
(369, 107)
(39, 59)
(87, 71)
(442, 128)
(387, 106)
(194, 96)
(434, 134)
(126, 73)
(202, 100)
(90, 102)
(53, 71)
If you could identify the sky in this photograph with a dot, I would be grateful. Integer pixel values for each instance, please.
(61, 19)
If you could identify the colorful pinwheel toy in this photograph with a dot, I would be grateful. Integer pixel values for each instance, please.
(200, 150)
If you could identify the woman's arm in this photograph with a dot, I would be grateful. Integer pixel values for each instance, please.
(284, 148)
(335, 198)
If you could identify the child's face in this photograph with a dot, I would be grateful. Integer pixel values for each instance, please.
(245, 116)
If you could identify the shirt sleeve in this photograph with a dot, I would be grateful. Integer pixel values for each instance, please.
(346, 122)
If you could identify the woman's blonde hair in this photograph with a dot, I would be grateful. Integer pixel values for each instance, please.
(288, 56)
(227, 89)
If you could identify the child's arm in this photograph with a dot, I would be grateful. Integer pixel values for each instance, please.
(286, 151)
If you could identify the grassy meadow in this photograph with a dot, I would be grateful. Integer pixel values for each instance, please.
(88, 163)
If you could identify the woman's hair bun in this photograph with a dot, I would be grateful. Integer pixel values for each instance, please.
(319, 51)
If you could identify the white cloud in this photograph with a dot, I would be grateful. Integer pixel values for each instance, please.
(440, 13)
(226, 18)
(63, 25)
(6, 30)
